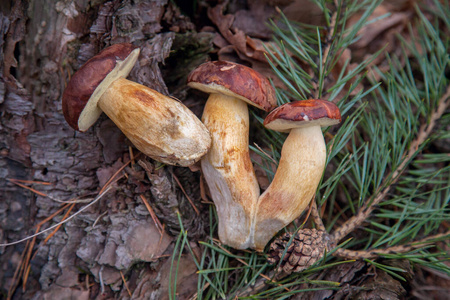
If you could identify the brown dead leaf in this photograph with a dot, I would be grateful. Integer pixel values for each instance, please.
(243, 44)
(304, 11)
(224, 23)
(228, 53)
(382, 34)
(240, 35)
(220, 42)
(253, 21)
(368, 34)
(255, 49)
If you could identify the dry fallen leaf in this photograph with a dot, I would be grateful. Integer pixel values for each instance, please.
(381, 33)
(253, 21)
(368, 34)
(304, 11)
(242, 43)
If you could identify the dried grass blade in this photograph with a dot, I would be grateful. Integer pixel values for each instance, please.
(184, 192)
(117, 172)
(59, 226)
(29, 181)
(28, 188)
(125, 283)
(152, 214)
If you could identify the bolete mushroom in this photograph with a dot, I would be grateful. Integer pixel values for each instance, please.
(227, 167)
(159, 126)
(301, 165)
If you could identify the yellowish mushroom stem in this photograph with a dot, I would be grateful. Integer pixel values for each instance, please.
(228, 170)
(157, 125)
(295, 183)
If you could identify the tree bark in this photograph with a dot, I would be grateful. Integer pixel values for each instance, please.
(42, 43)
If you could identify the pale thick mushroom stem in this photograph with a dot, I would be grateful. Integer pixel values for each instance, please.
(157, 125)
(228, 170)
(295, 183)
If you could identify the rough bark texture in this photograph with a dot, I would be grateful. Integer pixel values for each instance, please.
(42, 43)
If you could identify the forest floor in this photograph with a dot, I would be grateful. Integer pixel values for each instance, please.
(123, 246)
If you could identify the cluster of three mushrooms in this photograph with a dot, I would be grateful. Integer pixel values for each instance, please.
(246, 218)
(165, 130)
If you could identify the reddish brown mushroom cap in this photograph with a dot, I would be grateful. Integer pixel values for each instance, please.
(234, 80)
(303, 113)
(90, 76)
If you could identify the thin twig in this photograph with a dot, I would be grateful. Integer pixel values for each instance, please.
(369, 206)
(66, 215)
(86, 281)
(184, 192)
(27, 267)
(308, 213)
(29, 181)
(21, 183)
(27, 187)
(107, 184)
(100, 277)
(266, 154)
(330, 34)
(98, 218)
(15, 280)
(316, 216)
(62, 222)
(327, 47)
(161, 236)
(130, 150)
(23, 267)
(352, 254)
(152, 214)
(30, 245)
(125, 283)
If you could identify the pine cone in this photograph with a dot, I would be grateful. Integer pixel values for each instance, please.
(307, 247)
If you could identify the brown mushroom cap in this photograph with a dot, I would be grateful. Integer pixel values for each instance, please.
(234, 80)
(303, 113)
(79, 100)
